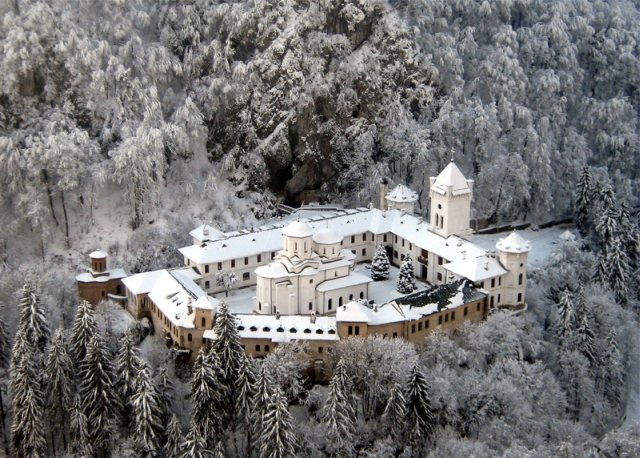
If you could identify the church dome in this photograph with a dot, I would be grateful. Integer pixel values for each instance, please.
(298, 229)
(326, 237)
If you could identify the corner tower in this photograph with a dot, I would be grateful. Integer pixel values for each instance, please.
(451, 195)
(514, 251)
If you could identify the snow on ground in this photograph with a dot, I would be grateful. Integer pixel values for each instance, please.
(543, 242)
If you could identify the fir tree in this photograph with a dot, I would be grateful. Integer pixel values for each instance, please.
(600, 273)
(83, 330)
(58, 384)
(583, 202)
(586, 339)
(195, 446)
(419, 417)
(98, 393)
(79, 429)
(618, 270)
(173, 445)
(565, 324)
(277, 439)
(27, 430)
(607, 226)
(146, 413)
(380, 264)
(395, 412)
(612, 370)
(207, 397)
(406, 281)
(229, 350)
(33, 318)
(246, 387)
(165, 393)
(261, 399)
(339, 414)
(5, 345)
(127, 368)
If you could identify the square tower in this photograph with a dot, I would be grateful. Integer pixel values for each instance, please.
(451, 195)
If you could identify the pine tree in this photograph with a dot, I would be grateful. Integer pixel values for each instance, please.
(59, 384)
(583, 202)
(33, 318)
(380, 264)
(83, 330)
(395, 412)
(339, 414)
(173, 446)
(98, 393)
(277, 439)
(406, 281)
(565, 324)
(208, 397)
(586, 339)
(27, 430)
(146, 413)
(229, 350)
(419, 417)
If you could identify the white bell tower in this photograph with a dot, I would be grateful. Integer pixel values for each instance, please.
(451, 195)
(514, 251)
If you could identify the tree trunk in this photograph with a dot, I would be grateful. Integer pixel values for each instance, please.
(66, 219)
(45, 179)
(4, 425)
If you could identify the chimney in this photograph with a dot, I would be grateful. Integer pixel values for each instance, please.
(189, 309)
(384, 189)
(486, 265)
(384, 213)
(205, 230)
(464, 254)
(313, 317)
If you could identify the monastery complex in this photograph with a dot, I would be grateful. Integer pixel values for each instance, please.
(311, 276)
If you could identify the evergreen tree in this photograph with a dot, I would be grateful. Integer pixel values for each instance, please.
(33, 318)
(406, 280)
(612, 370)
(27, 430)
(83, 330)
(58, 384)
(98, 394)
(618, 270)
(629, 236)
(5, 345)
(173, 446)
(583, 202)
(208, 396)
(246, 387)
(261, 399)
(566, 316)
(195, 446)
(339, 414)
(380, 264)
(419, 417)
(127, 369)
(600, 272)
(165, 393)
(607, 226)
(79, 429)
(277, 439)
(229, 350)
(586, 339)
(395, 412)
(146, 413)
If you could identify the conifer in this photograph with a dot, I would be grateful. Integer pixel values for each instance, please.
(173, 445)
(98, 393)
(419, 417)
(207, 397)
(127, 368)
(612, 369)
(395, 412)
(165, 390)
(277, 438)
(339, 414)
(146, 413)
(583, 202)
(406, 280)
(83, 330)
(618, 271)
(586, 339)
(58, 384)
(195, 446)
(5, 345)
(261, 399)
(33, 318)
(566, 316)
(79, 429)
(246, 387)
(380, 264)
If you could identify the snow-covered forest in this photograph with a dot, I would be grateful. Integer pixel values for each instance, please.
(126, 123)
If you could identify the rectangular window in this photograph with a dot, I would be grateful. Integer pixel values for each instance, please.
(219, 266)
(453, 315)
(426, 324)
(353, 251)
(364, 237)
(403, 243)
(439, 276)
(499, 281)
(402, 257)
(466, 311)
(413, 329)
(395, 253)
(446, 317)
(246, 276)
(259, 258)
(364, 252)
(206, 285)
(310, 280)
(267, 348)
(396, 238)
(478, 307)
(353, 239)
(420, 326)
(493, 282)
(498, 298)
(273, 255)
(206, 268)
(372, 237)
(440, 319)
(257, 347)
(320, 349)
(410, 246)
(246, 261)
(519, 297)
(384, 238)
(440, 260)
(310, 305)
(233, 263)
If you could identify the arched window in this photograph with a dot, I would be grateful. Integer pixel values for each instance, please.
(520, 278)
(361, 294)
(189, 337)
(339, 301)
(350, 297)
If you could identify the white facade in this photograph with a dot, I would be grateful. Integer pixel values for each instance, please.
(451, 195)
(514, 251)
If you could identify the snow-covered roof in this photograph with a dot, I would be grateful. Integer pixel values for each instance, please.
(268, 238)
(514, 243)
(284, 328)
(144, 282)
(440, 297)
(451, 176)
(326, 236)
(354, 279)
(102, 277)
(98, 254)
(477, 269)
(174, 291)
(358, 312)
(298, 229)
(401, 193)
